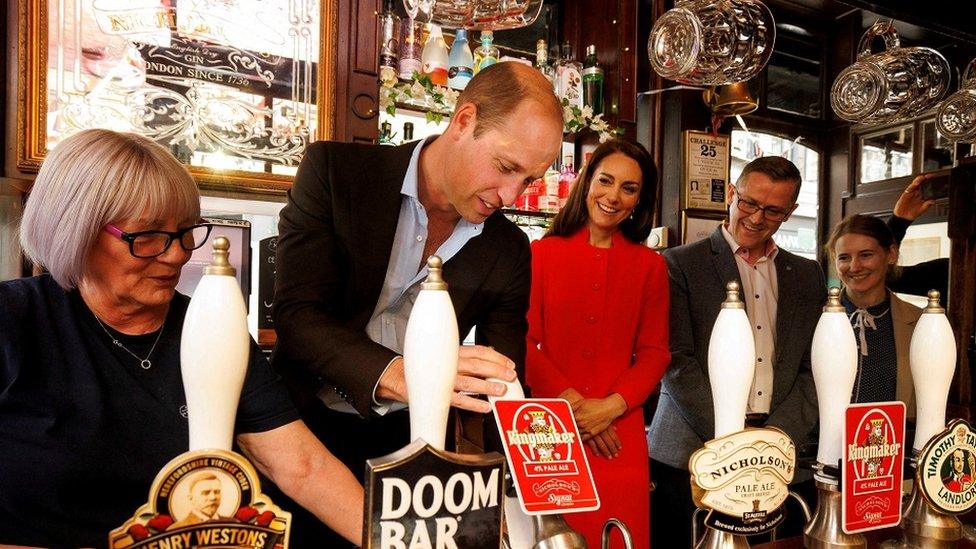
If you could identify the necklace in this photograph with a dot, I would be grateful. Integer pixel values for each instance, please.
(144, 363)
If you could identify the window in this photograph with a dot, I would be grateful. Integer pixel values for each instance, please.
(799, 233)
(887, 155)
(263, 217)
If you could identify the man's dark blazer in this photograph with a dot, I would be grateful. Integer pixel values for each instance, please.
(336, 234)
(698, 272)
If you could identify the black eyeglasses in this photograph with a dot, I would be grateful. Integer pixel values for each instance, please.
(148, 244)
(747, 206)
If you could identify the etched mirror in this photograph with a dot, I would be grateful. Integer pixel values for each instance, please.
(230, 87)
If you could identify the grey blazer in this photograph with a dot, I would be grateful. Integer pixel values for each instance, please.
(698, 273)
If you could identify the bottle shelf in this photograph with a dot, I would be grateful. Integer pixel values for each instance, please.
(420, 108)
(528, 213)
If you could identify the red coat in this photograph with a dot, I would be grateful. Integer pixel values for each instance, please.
(598, 323)
(958, 485)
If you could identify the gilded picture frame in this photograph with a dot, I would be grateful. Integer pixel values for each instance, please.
(173, 71)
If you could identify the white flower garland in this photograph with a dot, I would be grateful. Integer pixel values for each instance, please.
(576, 119)
(438, 101)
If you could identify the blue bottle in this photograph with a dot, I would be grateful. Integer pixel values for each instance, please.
(460, 62)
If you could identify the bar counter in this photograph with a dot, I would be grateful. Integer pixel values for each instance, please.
(875, 538)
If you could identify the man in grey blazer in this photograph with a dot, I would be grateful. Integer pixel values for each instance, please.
(783, 293)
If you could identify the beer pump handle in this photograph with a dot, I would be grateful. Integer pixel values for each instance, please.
(731, 363)
(430, 357)
(933, 362)
(833, 357)
(214, 351)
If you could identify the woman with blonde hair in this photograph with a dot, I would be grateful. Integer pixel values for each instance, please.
(91, 394)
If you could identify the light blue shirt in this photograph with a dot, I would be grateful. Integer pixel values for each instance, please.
(404, 273)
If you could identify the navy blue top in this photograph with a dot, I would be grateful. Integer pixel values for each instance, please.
(84, 429)
(877, 371)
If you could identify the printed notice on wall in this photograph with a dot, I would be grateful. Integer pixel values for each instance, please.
(706, 170)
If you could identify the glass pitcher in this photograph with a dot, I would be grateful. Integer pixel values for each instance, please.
(475, 14)
(712, 43)
(895, 83)
(956, 119)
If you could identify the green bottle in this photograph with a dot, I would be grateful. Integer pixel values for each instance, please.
(592, 81)
(486, 54)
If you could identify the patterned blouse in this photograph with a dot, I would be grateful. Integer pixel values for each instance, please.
(877, 363)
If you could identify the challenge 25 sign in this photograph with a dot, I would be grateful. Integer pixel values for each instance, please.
(706, 170)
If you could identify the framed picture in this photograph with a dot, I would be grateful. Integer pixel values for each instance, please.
(696, 226)
(705, 172)
(238, 232)
(231, 88)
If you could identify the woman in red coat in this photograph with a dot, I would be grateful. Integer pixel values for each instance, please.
(598, 326)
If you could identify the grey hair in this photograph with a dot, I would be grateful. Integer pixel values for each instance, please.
(93, 178)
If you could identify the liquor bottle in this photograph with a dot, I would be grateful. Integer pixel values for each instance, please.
(410, 48)
(435, 57)
(407, 132)
(486, 54)
(568, 84)
(386, 134)
(389, 32)
(529, 199)
(542, 61)
(566, 179)
(592, 81)
(549, 200)
(460, 62)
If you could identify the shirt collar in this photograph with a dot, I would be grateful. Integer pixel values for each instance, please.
(411, 181)
(411, 178)
(769, 254)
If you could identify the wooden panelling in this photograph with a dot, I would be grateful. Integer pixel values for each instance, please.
(628, 47)
(357, 91)
(366, 36)
(612, 27)
(682, 111)
(649, 120)
(3, 71)
(962, 283)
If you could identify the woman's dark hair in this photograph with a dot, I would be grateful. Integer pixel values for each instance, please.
(574, 215)
(864, 225)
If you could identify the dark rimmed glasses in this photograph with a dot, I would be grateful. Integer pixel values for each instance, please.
(149, 244)
(749, 207)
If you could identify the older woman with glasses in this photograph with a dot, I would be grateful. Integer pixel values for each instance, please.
(91, 394)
